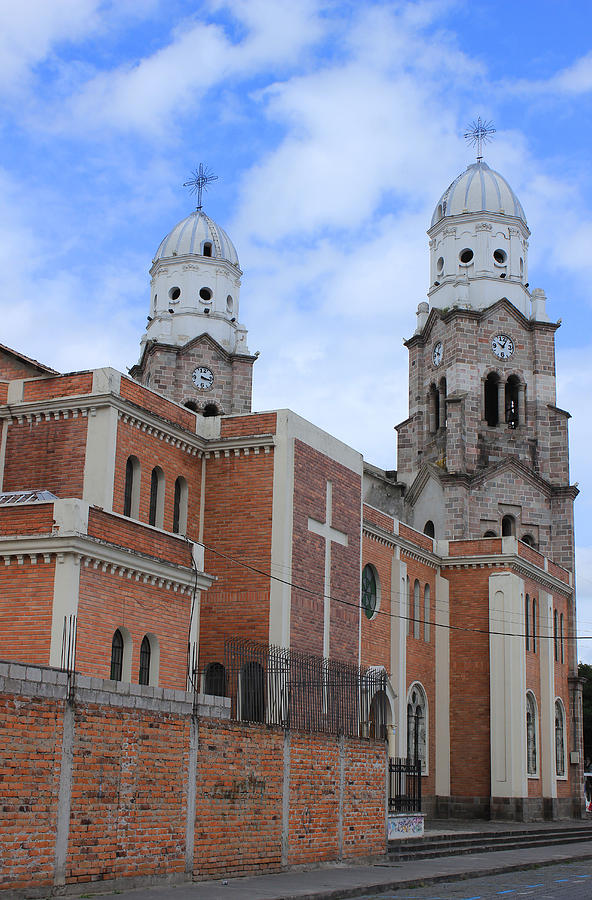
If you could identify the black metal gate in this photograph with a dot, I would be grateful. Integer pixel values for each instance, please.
(404, 785)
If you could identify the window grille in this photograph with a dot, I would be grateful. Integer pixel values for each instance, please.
(285, 687)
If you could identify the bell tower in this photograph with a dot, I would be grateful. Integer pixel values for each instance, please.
(484, 450)
(195, 349)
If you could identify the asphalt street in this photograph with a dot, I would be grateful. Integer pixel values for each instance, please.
(572, 881)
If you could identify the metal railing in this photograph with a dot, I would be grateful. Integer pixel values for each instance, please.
(278, 686)
(404, 785)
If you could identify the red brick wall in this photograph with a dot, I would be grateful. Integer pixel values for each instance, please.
(12, 368)
(376, 632)
(128, 795)
(108, 601)
(422, 540)
(469, 682)
(238, 507)
(60, 386)
(30, 747)
(378, 518)
(26, 603)
(238, 820)
(257, 423)
(421, 655)
(174, 462)
(312, 470)
(46, 456)
(531, 555)
(157, 404)
(127, 815)
(135, 536)
(36, 518)
(475, 548)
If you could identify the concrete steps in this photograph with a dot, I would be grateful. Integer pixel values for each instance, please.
(458, 843)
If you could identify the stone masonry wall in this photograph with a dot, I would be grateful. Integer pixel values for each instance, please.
(122, 784)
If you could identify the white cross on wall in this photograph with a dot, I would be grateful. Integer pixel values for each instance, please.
(329, 534)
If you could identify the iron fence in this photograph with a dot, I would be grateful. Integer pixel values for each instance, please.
(404, 785)
(278, 686)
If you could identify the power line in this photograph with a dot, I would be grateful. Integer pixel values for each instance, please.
(390, 615)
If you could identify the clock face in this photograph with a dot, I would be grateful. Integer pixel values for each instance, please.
(203, 378)
(502, 346)
(437, 353)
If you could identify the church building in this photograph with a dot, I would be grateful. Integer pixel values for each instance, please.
(154, 529)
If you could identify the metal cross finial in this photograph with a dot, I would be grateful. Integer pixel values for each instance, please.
(478, 134)
(201, 178)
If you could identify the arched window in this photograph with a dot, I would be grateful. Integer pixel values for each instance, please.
(508, 526)
(429, 529)
(378, 716)
(417, 725)
(156, 512)
(180, 506)
(559, 739)
(207, 249)
(192, 405)
(252, 692)
(531, 735)
(491, 399)
(416, 610)
(369, 591)
(561, 636)
(215, 680)
(209, 410)
(534, 624)
(528, 539)
(527, 619)
(490, 534)
(131, 494)
(426, 613)
(116, 656)
(512, 387)
(556, 635)
(145, 655)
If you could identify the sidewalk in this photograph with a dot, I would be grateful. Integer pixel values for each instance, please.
(348, 880)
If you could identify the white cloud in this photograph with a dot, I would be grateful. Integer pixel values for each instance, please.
(30, 28)
(145, 96)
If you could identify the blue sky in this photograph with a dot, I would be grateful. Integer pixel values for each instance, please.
(333, 127)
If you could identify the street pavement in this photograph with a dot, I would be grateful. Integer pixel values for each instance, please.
(570, 881)
(380, 878)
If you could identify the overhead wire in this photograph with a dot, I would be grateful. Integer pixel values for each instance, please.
(357, 605)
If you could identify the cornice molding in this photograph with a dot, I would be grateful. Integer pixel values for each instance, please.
(517, 564)
(89, 551)
(34, 412)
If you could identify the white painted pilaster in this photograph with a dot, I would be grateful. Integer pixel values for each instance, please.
(507, 686)
(399, 653)
(547, 710)
(70, 517)
(101, 443)
(442, 638)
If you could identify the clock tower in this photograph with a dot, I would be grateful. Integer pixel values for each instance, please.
(484, 450)
(194, 349)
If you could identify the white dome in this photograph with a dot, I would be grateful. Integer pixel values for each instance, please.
(478, 189)
(189, 236)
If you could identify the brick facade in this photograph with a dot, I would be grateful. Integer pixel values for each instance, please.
(125, 760)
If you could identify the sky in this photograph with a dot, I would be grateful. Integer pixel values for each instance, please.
(333, 127)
